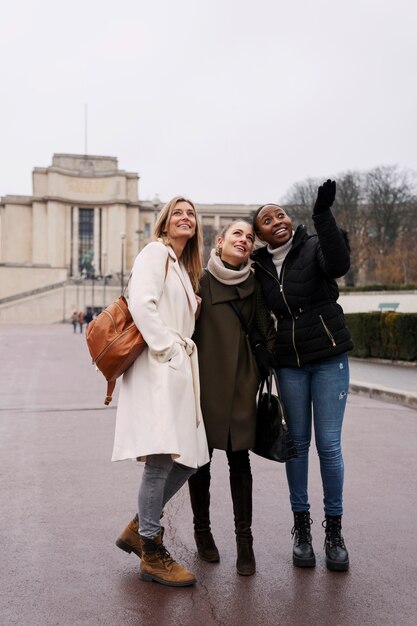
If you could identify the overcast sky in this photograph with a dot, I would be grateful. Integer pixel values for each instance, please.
(221, 100)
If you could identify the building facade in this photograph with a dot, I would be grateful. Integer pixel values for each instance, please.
(84, 220)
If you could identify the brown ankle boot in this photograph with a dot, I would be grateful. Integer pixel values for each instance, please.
(241, 488)
(199, 487)
(129, 539)
(157, 564)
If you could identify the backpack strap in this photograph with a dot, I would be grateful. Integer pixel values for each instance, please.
(110, 388)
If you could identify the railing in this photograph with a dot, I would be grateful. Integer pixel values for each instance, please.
(32, 292)
(110, 281)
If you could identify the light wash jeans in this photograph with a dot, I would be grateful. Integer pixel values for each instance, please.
(319, 389)
(161, 479)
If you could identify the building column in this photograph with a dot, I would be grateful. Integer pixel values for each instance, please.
(96, 258)
(39, 233)
(1, 236)
(74, 243)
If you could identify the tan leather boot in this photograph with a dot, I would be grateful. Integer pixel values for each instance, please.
(157, 564)
(129, 539)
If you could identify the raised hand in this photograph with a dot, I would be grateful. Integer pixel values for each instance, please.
(325, 197)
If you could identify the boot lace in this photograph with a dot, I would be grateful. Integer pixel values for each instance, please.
(166, 558)
(302, 528)
(333, 528)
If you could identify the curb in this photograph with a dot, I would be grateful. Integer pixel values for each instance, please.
(388, 394)
(359, 359)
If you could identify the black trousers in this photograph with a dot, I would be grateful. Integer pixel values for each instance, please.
(239, 463)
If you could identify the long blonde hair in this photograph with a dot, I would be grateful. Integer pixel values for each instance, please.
(192, 256)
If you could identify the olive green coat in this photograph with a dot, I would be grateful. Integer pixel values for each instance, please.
(229, 377)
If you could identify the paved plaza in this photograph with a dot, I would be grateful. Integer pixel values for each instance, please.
(63, 504)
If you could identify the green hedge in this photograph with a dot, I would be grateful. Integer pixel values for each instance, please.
(384, 335)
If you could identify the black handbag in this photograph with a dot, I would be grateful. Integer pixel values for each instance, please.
(273, 440)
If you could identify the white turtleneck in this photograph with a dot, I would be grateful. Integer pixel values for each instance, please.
(279, 254)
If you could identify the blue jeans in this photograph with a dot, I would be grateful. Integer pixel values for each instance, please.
(161, 479)
(319, 389)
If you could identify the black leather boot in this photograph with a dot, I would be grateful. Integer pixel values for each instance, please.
(337, 557)
(199, 487)
(241, 488)
(302, 553)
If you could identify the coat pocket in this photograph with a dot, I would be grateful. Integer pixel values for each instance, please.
(327, 331)
(177, 359)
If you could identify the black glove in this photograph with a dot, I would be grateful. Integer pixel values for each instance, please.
(264, 360)
(325, 197)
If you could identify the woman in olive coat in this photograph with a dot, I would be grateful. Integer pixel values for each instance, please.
(231, 355)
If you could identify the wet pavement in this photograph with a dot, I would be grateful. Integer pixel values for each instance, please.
(395, 383)
(64, 503)
(400, 377)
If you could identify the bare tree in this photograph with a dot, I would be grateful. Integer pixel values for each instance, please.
(351, 216)
(399, 265)
(388, 194)
(390, 200)
(300, 200)
(378, 210)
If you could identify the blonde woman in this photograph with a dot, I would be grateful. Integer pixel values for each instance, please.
(158, 417)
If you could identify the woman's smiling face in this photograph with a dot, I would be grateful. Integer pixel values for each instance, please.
(182, 222)
(273, 226)
(236, 243)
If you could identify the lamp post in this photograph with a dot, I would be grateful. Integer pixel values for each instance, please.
(77, 307)
(139, 233)
(93, 277)
(122, 275)
(156, 203)
(104, 278)
(84, 283)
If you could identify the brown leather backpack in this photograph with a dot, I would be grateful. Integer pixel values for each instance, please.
(114, 341)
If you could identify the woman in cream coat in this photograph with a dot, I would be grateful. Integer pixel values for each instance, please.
(158, 417)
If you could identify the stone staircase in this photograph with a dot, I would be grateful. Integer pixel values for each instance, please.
(56, 302)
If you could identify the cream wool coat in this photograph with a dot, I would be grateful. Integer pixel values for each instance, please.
(159, 402)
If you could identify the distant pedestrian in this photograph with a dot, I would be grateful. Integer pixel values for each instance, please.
(81, 321)
(158, 417)
(88, 316)
(230, 363)
(297, 272)
(74, 321)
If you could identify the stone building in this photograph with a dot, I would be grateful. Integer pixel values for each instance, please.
(85, 221)
(83, 211)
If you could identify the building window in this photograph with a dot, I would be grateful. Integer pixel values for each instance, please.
(147, 230)
(209, 240)
(86, 242)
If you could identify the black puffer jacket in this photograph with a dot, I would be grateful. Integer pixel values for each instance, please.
(310, 324)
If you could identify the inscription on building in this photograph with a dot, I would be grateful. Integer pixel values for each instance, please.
(87, 186)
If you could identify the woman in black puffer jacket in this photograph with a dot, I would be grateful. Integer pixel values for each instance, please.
(297, 272)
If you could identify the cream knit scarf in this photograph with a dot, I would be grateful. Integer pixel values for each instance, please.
(224, 274)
